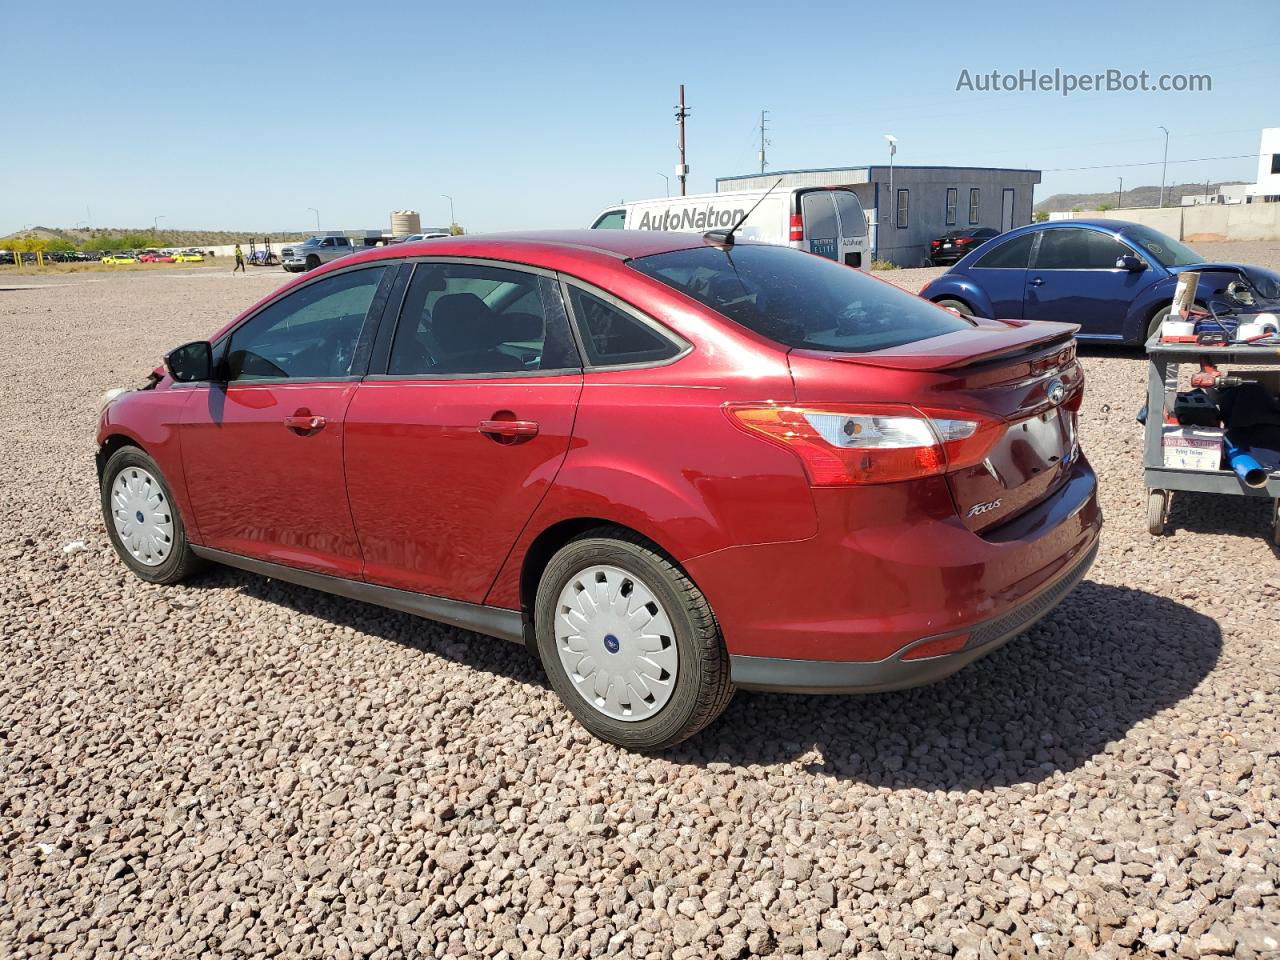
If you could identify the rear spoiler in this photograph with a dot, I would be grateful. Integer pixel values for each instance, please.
(987, 340)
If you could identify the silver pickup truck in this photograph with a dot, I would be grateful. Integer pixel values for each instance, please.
(308, 255)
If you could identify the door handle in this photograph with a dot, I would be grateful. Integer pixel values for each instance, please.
(1036, 282)
(305, 422)
(509, 428)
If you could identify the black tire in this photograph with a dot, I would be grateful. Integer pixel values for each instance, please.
(702, 686)
(312, 262)
(1153, 325)
(181, 563)
(958, 305)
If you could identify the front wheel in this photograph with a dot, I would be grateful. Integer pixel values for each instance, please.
(312, 262)
(629, 642)
(1157, 511)
(142, 520)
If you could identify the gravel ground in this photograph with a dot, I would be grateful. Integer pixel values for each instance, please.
(243, 767)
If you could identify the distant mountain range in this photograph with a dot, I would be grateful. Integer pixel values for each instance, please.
(1135, 197)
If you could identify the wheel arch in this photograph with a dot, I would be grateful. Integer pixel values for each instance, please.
(110, 444)
(548, 543)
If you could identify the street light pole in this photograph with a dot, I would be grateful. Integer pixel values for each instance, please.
(317, 213)
(893, 149)
(453, 221)
(1164, 165)
(155, 224)
(668, 182)
(1120, 194)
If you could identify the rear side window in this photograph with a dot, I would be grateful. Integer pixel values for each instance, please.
(611, 336)
(799, 300)
(1010, 255)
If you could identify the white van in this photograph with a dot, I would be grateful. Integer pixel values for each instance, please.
(826, 221)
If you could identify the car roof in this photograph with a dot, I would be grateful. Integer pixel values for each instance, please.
(534, 246)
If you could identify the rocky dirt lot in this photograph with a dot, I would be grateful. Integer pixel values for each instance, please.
(246, 768)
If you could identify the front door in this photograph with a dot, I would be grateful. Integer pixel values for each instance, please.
(820, 227)
(1074, 279)
(263, 450)
(452, 446)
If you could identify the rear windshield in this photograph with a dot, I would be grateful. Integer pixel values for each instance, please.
(800, 300)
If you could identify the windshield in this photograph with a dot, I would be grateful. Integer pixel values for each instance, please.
(800, 300)
(1166, 250)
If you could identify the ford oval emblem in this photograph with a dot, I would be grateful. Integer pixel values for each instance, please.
(1057, 392)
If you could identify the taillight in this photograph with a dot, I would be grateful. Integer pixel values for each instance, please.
(935, 243)
(852, 443)
(797, 227)
(963, 241)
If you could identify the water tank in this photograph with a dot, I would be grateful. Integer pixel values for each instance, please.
(405, 222)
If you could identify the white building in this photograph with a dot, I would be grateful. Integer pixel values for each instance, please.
(1268, 185)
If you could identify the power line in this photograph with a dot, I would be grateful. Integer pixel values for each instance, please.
(1148, 163)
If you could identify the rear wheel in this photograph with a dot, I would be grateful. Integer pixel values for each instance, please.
(959, 306)
(1157, 510)
(142, 521)
(312, 262)
(629, 642)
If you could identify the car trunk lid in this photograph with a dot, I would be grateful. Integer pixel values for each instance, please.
(1023, 374)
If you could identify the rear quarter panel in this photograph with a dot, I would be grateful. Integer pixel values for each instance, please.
(961, 287)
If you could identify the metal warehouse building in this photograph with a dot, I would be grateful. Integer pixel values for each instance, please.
(929, 200)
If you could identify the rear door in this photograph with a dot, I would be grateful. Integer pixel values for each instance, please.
(453, 442)
(853, 227)
(263, 451)
(821, 228)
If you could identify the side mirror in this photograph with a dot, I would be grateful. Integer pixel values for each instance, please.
(191, 362)
(1131, 263)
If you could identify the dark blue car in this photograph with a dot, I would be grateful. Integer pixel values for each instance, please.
(1115, 279)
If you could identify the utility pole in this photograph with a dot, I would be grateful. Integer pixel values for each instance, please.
(764, 119)
(682, 168)
(1120, 194)
(1165, 163)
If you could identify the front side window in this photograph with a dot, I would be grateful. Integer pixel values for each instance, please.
(952, 199)
(902, 209)
(611, 336)
(310, 334)
(612, 220)
(799, 300)
(975, 202)
(1011, 255)
(1076, 249)
(464, 319)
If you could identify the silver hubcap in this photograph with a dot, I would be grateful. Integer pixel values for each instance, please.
(142, 517)
(616, 643)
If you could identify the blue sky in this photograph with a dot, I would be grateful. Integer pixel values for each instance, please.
(242, 116)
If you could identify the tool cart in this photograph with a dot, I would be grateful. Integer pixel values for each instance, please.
(1205, 476)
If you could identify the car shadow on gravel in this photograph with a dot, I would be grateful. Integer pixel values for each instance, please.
(1108, 658)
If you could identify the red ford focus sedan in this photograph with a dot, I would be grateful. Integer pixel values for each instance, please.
(671, 465)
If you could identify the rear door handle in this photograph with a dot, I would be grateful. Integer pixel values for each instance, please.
(305, 421)
(1036, 281)
(509, 428)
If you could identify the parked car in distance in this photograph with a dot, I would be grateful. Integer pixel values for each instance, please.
(311, 253)
(953, 245)
(415, 237)
(118, 258)
(149, 256)
(189, 256)
(1115, 279)
(668, 466)
(826, 221)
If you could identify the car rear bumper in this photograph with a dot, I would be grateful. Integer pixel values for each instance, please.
(894, 673)
(891, 566)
